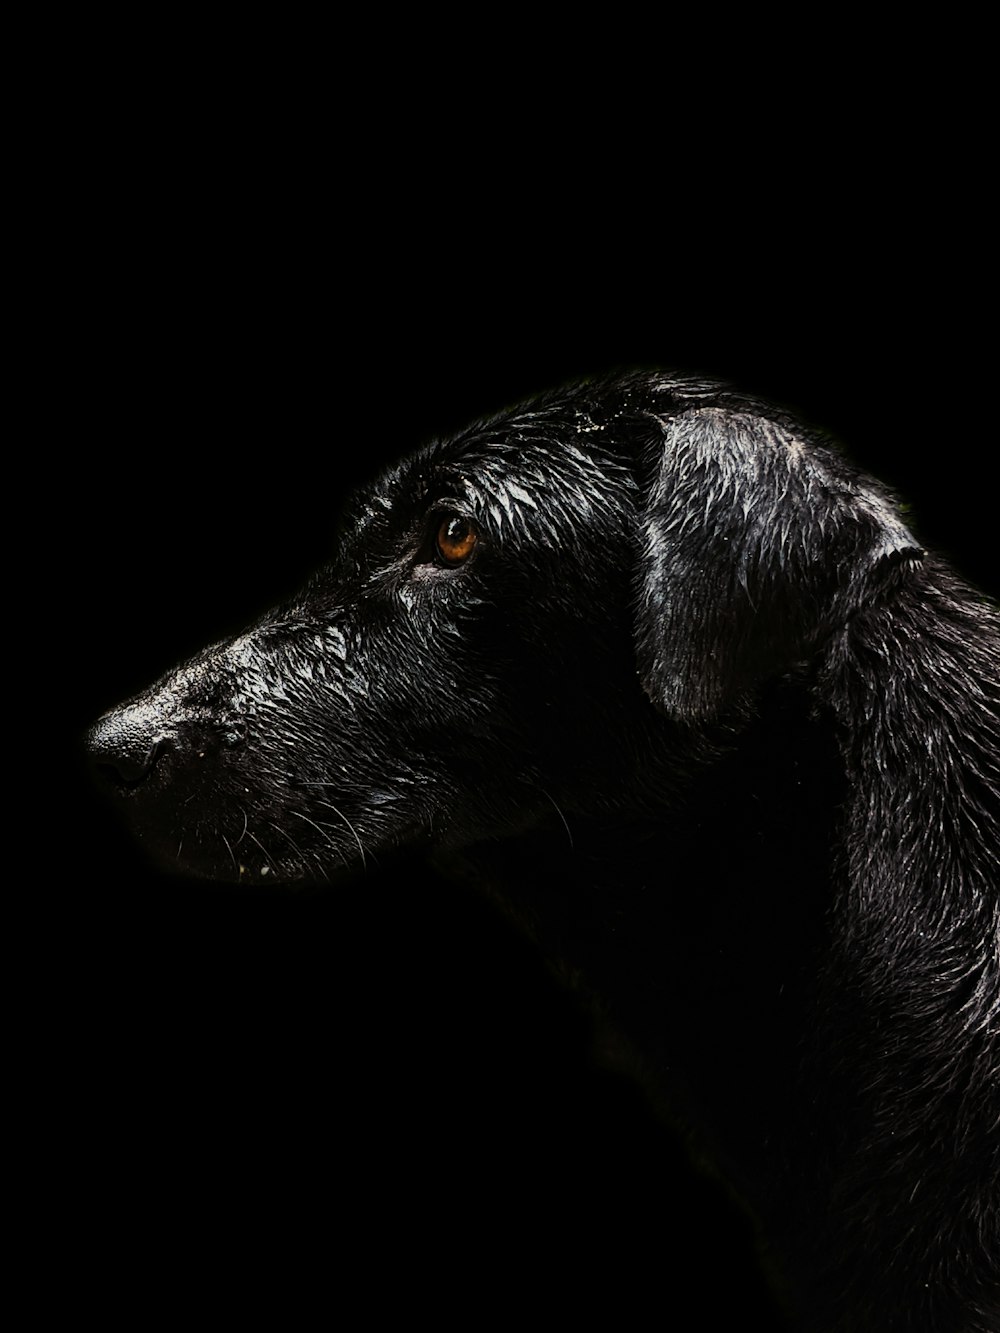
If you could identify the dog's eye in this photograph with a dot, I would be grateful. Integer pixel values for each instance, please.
(456, 539)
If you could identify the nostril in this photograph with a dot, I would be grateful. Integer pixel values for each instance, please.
(129, 770)
(122, 750)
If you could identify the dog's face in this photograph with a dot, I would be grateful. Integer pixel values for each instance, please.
(437, 682)
(514, 623)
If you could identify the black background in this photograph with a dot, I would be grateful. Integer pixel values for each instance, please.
(381, 1090)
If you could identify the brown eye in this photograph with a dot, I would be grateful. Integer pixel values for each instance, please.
(456, 539)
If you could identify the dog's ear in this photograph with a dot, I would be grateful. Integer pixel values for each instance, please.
(758, 542)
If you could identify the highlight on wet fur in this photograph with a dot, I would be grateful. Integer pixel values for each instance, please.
(677, 623)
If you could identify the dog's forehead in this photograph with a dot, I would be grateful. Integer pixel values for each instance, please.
(565, 468)
(533, 464)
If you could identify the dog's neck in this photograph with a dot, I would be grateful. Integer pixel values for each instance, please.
(909, 1006)
(697, 952)
(914, 682)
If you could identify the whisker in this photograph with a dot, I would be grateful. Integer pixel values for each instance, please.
(340, 815)
(267, 854)
(319, 829)
(565, 823)
(230, 851)
(303, 856)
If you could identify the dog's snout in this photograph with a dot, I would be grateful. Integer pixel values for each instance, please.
(124, 747)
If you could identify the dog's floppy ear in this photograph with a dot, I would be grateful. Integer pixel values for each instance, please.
(757, 543)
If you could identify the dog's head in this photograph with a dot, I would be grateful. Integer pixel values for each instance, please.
(532, 615)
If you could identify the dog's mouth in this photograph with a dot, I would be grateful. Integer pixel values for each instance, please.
(236, 849)
(215, 823)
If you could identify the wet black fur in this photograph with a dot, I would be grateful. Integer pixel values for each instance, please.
(697, 682)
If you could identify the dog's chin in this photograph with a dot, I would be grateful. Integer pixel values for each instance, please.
(206, 856)
(250, 867)
(206, 853)
(249, 859)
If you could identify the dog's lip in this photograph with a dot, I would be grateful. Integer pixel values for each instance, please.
(321, 865)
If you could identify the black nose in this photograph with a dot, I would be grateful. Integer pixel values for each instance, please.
(124, 747)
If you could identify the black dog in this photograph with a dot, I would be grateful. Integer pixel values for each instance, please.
(655, 665)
